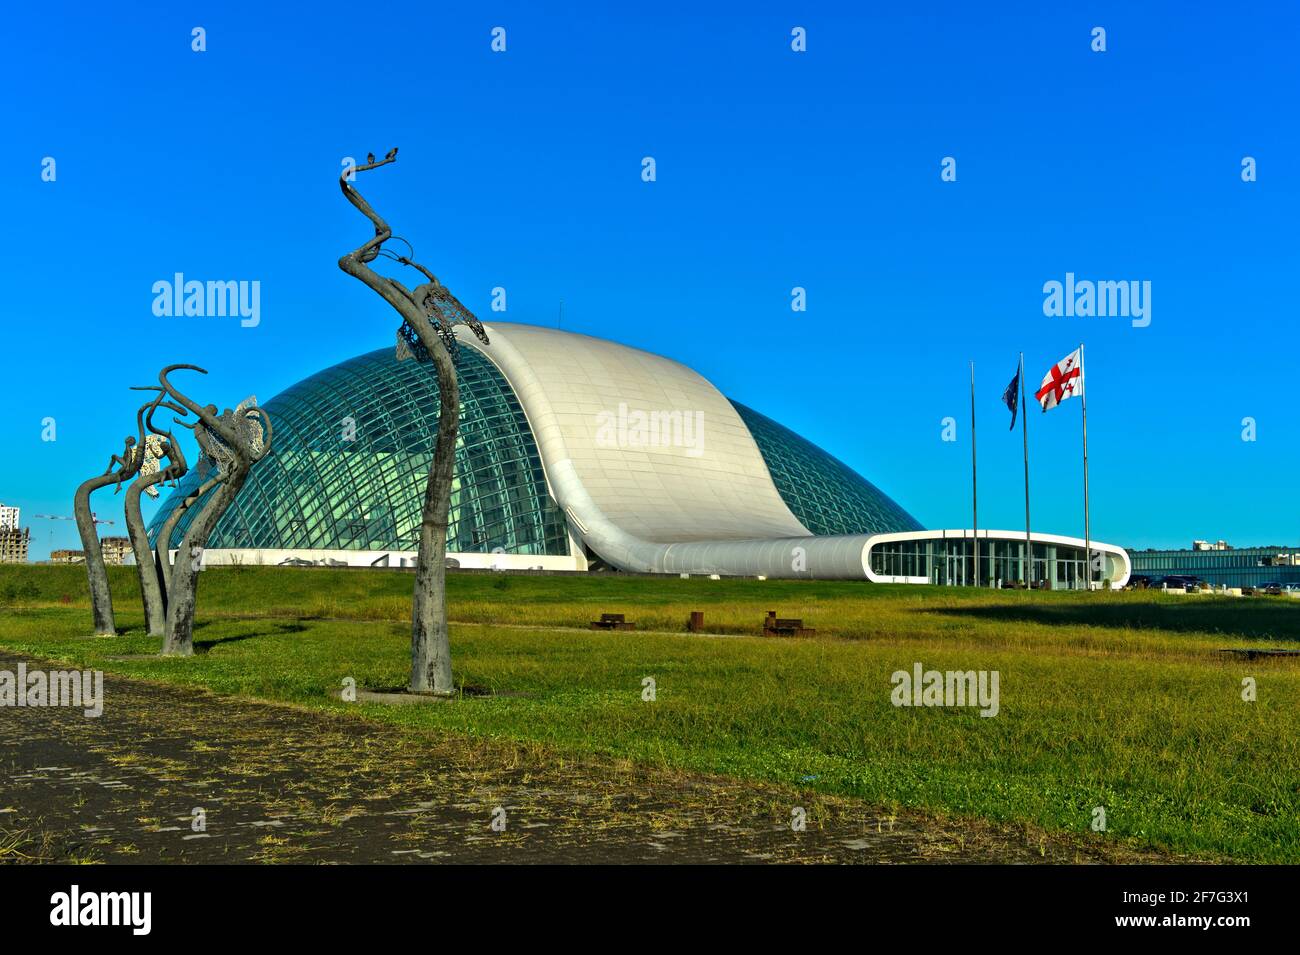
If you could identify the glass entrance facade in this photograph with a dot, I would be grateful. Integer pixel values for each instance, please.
(951, 561)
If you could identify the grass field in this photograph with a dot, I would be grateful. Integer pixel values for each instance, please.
(1107, 700)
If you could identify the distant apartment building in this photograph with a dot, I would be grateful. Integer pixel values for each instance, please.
(116, 549)
(13, 545)
(1206, 545)
(9, 518)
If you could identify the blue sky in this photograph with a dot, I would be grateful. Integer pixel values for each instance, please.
(775, 169)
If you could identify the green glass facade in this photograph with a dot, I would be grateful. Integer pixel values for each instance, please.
(826, 495)
(350, 459)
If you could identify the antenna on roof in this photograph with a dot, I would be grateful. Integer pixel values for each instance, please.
(559, 321)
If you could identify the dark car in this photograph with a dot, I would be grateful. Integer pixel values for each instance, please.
(1273, 588)
(1176, 582)
(1138, 582)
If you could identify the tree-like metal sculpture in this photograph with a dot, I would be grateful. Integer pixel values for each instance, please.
(155, 445)
(231, 443)
(428, 313)
(209, 473)
(121, 467)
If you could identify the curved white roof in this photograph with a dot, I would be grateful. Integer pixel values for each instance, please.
(650, 445)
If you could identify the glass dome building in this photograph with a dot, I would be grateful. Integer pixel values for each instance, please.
(573, 452)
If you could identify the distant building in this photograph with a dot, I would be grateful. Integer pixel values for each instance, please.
(13, 544)
(1206, 545)
(116, 549)
(1222, 565)
(9, 518)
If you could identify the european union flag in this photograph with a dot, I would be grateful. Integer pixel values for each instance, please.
(1011, 398)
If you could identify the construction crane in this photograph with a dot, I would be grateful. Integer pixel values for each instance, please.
(64, 517)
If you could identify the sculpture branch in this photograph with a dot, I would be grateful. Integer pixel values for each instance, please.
(155, 444)
(121, 467)
(162, 543)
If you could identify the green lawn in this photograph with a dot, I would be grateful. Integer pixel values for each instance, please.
(1111, 700)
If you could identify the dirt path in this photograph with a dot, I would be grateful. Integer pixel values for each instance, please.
(283, 784)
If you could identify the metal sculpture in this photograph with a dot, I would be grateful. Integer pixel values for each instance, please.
(209, 472)
(429, 313)
(231, 443)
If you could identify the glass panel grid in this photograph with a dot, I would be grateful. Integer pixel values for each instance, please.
(319, 490)
(826, 495)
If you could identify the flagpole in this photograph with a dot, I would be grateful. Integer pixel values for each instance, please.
(1024, 428)
(1087, 530)
(975, 538)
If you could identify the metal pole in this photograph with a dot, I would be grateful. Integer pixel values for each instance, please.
(1024, 427)
(1087, 529)
(975, 533)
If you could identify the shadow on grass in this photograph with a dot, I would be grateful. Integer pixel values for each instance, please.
(1249, 619)
(203, 646)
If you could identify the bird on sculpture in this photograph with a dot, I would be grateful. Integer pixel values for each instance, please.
(370, 157)
(392, 153)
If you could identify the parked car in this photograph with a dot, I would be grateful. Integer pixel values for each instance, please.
(1185, 582)
(1259, 590)
(1138, 582)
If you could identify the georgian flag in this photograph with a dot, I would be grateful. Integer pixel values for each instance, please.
(1063, 380)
